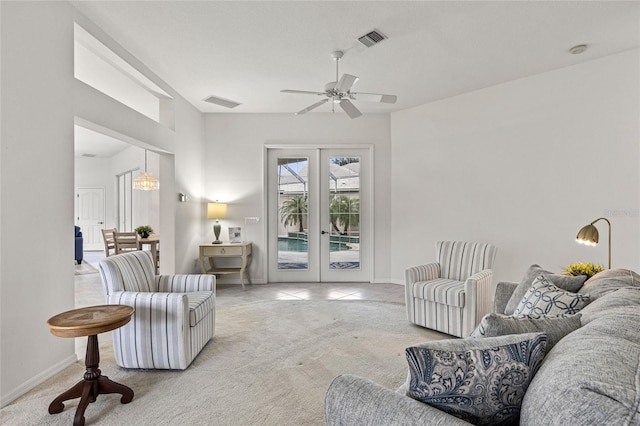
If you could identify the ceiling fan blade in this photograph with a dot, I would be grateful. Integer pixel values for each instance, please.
(350, 108)
(310, 107)
(345, 83)
(375, 97)
(304, 92)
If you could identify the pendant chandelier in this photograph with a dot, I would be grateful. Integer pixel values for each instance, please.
(146, 182)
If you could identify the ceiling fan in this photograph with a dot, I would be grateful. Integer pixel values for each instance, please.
(339, 91)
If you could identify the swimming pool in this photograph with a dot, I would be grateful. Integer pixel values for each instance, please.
(298, 244)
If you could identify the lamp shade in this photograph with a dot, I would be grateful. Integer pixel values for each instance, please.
(588, 235)
(216, 211)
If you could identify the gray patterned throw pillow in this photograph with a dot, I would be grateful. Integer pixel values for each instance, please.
(556, 327)
(544, 298)
(481, 381)
(568, 283)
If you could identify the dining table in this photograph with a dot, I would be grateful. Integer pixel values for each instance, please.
(153, 241)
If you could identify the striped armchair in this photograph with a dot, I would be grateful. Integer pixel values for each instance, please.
(174, 314)
(454, 293)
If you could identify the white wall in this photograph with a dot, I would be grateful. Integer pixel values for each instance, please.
(178, 143)
(233, 156)
(36, 238)
(39, 104)
(523, 165)
(189, 178)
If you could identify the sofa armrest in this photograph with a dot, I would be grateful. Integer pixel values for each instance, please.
(419, 273)
(352, 400)
(504, 290)
(186, 283)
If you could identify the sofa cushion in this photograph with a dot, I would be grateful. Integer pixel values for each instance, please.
(481, 381)
(568, 283)
(610, 280)
(619, 300)
(555, 327)
(441, 290)
(201, 304)
(544, 298)
(592, 376)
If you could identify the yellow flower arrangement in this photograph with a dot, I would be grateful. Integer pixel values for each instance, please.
(583, 268)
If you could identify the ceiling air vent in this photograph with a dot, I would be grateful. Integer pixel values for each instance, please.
(371, 38)
(222, 102)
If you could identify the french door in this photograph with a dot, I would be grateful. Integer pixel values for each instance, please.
(319, 214)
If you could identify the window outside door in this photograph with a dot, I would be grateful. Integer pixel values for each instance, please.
(319, 215)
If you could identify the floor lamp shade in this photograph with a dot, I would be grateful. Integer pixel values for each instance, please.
(589, 235)
(216, 211)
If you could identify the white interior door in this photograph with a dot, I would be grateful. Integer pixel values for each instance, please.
(90, 208)
(319, 216)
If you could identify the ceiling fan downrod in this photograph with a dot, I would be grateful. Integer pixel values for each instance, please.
(336, 56)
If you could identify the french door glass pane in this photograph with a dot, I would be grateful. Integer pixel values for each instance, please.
(293, 248)
(344, 212)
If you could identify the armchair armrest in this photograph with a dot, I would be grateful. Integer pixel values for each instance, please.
(426, 272)
(352, 400)
(504, 290)
(478, 289)
(156, 316)
(186, 283)
(174, 304)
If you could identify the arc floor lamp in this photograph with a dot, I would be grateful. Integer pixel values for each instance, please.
(588, 235)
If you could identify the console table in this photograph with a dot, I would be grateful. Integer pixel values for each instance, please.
(90, 321)
(208, 253)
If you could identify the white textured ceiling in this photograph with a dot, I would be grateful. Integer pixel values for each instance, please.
(94, 144)
(249, 51)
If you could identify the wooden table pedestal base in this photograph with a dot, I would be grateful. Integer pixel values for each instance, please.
(94, 384)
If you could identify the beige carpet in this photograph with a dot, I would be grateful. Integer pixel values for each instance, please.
(85, 268)
(269, 363)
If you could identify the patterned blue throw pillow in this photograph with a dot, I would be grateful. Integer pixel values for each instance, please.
(545, 298)
(481, 381)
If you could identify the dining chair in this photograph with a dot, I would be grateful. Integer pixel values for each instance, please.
(109, 241)
(126, 242)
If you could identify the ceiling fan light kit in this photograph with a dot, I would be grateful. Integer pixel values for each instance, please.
(339, 92)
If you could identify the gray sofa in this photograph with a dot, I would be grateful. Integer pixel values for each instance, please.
(590, 377)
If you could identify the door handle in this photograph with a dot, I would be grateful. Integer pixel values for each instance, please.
(100, 223)
(323, 232)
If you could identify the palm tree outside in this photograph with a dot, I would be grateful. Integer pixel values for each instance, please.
(344, 211)
(293, 211)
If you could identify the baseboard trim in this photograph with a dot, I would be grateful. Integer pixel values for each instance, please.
(36, 380)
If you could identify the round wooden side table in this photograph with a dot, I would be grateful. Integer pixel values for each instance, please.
(90, 321)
